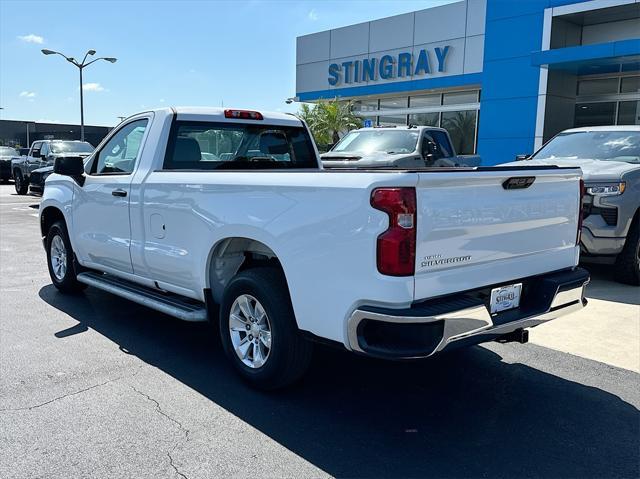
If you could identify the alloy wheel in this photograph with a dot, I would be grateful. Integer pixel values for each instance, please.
(250, 331)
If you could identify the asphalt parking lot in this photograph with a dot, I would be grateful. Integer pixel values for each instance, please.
(95, 386)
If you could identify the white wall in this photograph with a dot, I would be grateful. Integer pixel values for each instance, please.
(459, 25)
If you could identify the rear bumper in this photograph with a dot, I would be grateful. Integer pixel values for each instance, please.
(431, 326)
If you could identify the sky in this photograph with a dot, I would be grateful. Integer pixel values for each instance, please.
(187, 53)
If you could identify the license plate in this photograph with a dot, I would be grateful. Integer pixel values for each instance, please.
(505, 297)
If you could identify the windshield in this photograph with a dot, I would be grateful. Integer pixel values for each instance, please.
(7, 151)
(71, 147)
(593, 145)
(389, 141)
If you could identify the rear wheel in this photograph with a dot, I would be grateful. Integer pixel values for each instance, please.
(20, 183)
(628, 262)
(60, 260)
(259, 332)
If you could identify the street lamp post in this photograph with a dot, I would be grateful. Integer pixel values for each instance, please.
(81, 66)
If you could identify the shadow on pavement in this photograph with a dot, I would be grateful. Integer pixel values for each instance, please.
(603, 286)
(462, 414)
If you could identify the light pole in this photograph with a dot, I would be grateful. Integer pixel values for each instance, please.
(81, 66)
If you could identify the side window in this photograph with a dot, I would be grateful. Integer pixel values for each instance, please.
(430, 150)
(118, 156)
(35, 150)
(44, 150)
(443, 142)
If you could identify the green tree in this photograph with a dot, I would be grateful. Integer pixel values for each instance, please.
(328, 119)
(461, 126)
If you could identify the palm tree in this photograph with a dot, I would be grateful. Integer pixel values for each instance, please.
(327, 119)
(461, 126)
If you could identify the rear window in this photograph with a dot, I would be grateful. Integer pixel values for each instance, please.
(236, 146)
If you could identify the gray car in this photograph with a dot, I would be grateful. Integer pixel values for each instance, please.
(609, 157)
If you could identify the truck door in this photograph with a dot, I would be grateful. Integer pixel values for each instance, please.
(33, 158)
(101, 222)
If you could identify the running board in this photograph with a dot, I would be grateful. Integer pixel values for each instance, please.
(167, 303)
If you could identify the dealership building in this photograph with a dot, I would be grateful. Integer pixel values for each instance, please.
(502, 76)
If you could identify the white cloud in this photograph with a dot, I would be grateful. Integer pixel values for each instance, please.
(27, 94)
(312, 15)
(161, 100)
(31, 38)
(92, 87)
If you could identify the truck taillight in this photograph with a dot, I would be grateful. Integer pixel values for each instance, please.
(580, 212)
(396, 248)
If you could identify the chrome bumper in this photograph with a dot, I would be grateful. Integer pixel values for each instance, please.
(559, 295)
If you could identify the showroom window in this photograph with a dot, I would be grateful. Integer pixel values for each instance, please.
(394, 103)
(425, 119)
(461, 126)
(608, 101)
(392, 120)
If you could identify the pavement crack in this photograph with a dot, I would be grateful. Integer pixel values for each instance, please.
(75, 393)
(183, 429)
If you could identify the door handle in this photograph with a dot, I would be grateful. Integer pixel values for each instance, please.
(119, 192)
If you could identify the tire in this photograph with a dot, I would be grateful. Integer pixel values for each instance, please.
(628, 261)
(21, 185)
(60, 259)
(288, 355)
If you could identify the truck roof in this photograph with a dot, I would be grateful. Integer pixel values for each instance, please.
(604, 128)
(401, 127)
(199, 113)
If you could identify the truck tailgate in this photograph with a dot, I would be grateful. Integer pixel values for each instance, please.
(472, 231)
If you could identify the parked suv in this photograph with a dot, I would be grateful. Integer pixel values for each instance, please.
(6, 153)
(610, 160)
(42, 154)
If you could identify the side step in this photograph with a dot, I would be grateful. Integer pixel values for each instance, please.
(167, 303)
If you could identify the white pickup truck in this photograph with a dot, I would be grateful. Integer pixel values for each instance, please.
(227, 216)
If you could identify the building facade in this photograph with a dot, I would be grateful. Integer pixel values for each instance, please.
(23, 133)
(502, 76)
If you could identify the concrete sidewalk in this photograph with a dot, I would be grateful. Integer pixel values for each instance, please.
(607, 330)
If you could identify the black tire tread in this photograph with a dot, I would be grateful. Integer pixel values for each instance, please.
(70, 283)
(269, 283)
(627, 270)
(24, 184)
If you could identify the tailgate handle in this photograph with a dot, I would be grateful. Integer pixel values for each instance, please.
(518, 182)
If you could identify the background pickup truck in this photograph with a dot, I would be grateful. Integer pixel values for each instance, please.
(227, 216)
(609, 157)
(396, 147)
(42, 154)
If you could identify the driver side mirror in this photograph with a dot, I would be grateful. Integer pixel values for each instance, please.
(72, 166)
(522, 157)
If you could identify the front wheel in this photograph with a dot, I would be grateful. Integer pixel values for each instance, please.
(21, 185)
(259, 332)
(628, 262)
(60, 260)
